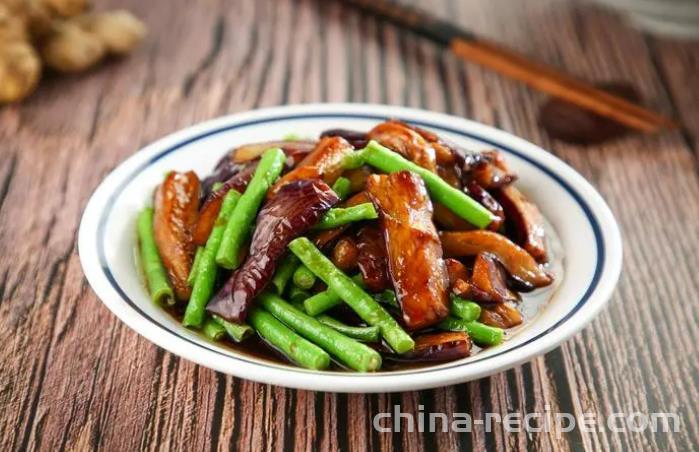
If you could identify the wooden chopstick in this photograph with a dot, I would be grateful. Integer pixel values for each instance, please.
(539, 76)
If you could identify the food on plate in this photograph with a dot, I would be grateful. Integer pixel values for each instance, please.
(359, 251)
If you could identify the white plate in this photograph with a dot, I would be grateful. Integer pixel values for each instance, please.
(589, 237)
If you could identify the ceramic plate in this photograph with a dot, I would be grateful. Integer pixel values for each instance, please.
(588, 249)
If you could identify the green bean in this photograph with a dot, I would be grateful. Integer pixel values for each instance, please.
(195, 266)
(206, 275)
(294, 347)
(213, 330)
(465, 309)
(243, 216)
(366, 307)
(360, 333)
(387, 297)
(327, 299)
(284, 272)
(353, 354)
(341, 216)
(156, 276)
(321, 302)
(457, 201)
(342, 187)
(298, 295)
(236, 331)
(304, 278)
(480, 333)
(354, 160)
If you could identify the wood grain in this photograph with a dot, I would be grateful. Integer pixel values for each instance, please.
(74, 377)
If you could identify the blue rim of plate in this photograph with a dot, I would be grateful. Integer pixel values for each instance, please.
(101, 234)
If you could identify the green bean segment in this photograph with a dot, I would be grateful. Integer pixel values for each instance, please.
(243, 217)
(460, 203)
(342, 187)
(206, 274)
(195, 266)
(362, 303)
(465, 309)
(360, 333)
(213, 330)
(294, 347)
(156, 275)
(236, 331)
(481, 334)
(351, 353)
(285, 272)
(304, 278)
(340, 216)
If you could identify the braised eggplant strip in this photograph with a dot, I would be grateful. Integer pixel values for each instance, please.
(517, 261)
(357, 139)
(346, 254)
(324, 162)
(489, 276)
(526, 220)
(371, 258)
(400, 138)
(176, 206)
(291, 212)
(481, 195)
(501, 315)
(364, 236)
(295, 149)
(494, 173)
(415, 262)
(446, 346)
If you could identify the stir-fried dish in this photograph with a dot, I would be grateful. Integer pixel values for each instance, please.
(355, 251)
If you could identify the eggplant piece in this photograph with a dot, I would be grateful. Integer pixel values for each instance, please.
(296, 149)
(212, 205)
(239, 159)
(291, 212)
(415, 263)
(456, 271)
(485, 199)
(371, 258)
(324, 162)
(448, 220)
(358, 140)
(517, 261)
(527, 221)
(176, 206)
(346, 254)
(445, 346)
(501, 315)
(401, 138)
(467, 290)
(489, 276)
(494, 173)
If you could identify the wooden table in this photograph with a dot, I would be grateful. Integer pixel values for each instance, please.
(73, 376)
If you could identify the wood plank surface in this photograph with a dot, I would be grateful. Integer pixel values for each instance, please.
(73, 377)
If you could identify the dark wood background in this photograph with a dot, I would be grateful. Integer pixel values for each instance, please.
(73, 376)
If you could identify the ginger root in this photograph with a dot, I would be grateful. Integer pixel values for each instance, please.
(69, 48)
(118, 30)
(20, 69)
(60, 33)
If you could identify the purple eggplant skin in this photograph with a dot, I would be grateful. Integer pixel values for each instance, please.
(444, 346)
(225, 169)
(290, 213)
(358, 140)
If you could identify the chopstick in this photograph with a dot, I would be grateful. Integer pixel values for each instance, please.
(537, 75)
